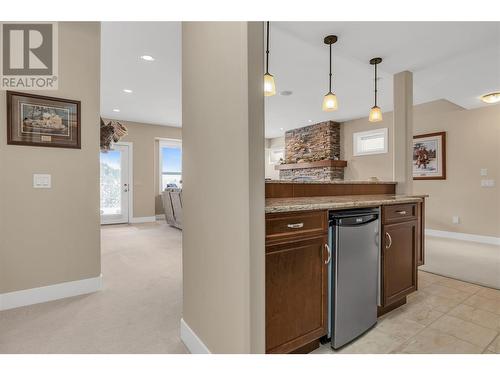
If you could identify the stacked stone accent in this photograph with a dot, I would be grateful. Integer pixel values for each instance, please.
(313, 143)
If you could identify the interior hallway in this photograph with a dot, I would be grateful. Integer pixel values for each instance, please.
(138, 310)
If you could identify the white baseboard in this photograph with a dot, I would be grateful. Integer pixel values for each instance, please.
(143, 219)
(27, 297)
(160, 217)
(191, 340)
(463, 236)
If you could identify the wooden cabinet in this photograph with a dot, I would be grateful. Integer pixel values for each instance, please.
(400, 249)
(297, 271)
(296, 280)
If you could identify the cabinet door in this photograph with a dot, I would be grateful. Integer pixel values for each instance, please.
(296, 293)
(399, 243)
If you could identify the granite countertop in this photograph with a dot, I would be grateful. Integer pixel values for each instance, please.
(360, 182)
(337, 202)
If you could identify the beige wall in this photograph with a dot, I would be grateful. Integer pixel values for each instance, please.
(473, 142)
(364, 167)
(146, 185)
(50, 236)
(223, 214)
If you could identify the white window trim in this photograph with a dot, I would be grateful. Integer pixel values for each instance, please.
(271, 150)
(357, 135)
(165, 142)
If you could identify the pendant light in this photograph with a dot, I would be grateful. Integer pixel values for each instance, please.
(269, 87)
(375, 112)
(330, 100)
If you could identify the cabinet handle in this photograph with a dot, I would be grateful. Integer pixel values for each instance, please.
(329, 254)
(387, 246)
(401, 212)
(295, 226)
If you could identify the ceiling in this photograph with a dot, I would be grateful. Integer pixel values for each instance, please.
(156, 85)
(457, 61)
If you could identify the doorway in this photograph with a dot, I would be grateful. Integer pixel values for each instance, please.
(116, 187)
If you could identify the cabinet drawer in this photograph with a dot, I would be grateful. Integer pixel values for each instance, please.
(282, 225)
(399, 212)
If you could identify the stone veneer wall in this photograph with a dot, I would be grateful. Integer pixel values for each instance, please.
(319, 173)
(313, 143)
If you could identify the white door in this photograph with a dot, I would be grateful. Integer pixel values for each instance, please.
(115, 185)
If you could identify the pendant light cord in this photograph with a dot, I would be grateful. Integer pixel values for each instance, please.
(267, 49)
(376, 85)
(330, 82)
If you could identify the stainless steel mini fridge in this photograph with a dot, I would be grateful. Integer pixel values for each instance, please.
(354, 273)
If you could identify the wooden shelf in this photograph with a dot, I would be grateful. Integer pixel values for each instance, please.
(313, 164)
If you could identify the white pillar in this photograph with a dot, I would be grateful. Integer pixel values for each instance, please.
(223, 184)
(403, 132)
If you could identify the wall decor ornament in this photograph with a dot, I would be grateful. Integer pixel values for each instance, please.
(36, 120)
(429, 156)
(111, 133)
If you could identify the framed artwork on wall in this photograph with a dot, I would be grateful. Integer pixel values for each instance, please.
(35, 120)
(429, 156)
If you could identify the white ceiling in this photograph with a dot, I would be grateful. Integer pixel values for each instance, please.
(156, 85)
(457, 61)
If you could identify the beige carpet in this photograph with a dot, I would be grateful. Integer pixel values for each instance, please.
(467, 261)
(138, 311)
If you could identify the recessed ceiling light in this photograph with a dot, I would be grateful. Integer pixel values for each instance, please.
(128, 91)
(281, 128)
(491, 98)
(309, 121)
(286, 93)
(147, 58)
(116, 110)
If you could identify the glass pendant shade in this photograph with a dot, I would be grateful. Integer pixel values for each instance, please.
(330, 102)
(375, 114)
(269, 87)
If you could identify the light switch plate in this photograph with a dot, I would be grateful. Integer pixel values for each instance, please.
(484, 172)
(455, 220)
(42, 181)
(487, 183)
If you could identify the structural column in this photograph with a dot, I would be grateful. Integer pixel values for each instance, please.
(223, 187)
(403, 132)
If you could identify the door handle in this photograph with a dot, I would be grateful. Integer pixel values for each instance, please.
(295, 226)
(329, 254)
(387, 246)
(401, 212)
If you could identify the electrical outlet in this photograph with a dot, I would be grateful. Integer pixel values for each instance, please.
(484, 172)
(42, 181)
(487, 183)
(455, 220)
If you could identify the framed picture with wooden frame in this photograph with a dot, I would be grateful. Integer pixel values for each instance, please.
(35, 120)
(429, 156)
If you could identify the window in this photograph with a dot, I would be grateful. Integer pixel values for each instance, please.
(276, 155)
(370, 142)
(170, 164)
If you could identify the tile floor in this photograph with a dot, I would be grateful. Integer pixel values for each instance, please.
(444, 316)
(138, 311)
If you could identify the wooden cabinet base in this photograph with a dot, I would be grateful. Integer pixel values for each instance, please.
(307, 348)
(381, 310)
